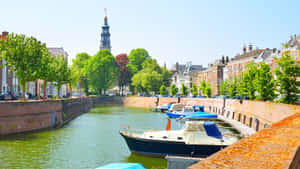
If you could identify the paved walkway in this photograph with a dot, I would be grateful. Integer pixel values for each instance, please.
(271, 148)
(243, 129)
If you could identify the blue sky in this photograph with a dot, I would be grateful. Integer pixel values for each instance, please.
(171, 30)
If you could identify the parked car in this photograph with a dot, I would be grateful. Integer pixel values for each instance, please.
(6, 96)
(1, 96)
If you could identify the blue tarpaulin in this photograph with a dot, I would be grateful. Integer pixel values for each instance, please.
(212, 129)
(201, 115)
(122, 166)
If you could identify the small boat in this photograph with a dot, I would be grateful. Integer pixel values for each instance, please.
(195, 139)
(180, 111)
(165, 107)
(122, 166)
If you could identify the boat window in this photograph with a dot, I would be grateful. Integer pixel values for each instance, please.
(165, 137)
(179, 138)
(188, 109)
(151, 136)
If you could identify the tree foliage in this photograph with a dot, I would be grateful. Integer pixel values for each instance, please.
(78, 65)
(163, 90)
(101, 71)
(194, 90)
(24, 56)
(287, 72)
(224, 87)
(125, 75)
(202, 87)
(173, 90)
(136, 59)
(233, 87)
(184, 90)
(265, 84)
(150, 78)
(208, 90)
(62, 72)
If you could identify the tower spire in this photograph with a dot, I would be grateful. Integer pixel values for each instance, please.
(105, 35)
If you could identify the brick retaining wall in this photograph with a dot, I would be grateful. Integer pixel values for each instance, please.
(32, 115)
(18, 117)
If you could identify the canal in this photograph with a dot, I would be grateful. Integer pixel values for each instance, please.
(89, 141)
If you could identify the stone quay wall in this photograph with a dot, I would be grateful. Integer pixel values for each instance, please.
(16, 117)
(255, 114)
(34, 115)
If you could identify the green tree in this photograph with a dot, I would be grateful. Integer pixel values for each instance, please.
(166, 76)
(208, 90)
(173, 90)
(184, 90)
(136, 59)
(23, 55)
(202, 87)
(47, 69)
(163, 90)
(78, 65)
(224, 87)
(101, 71)
(150, 78)
(62, 73)
(265, 84)
(194, 90)
(249, 80)
(233, 87)
(287, 72)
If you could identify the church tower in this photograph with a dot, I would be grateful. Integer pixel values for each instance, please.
(105, 35)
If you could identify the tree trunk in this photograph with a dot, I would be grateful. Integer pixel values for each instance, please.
(44, 90)
(58, 91)
(70, 90)
(36, 90)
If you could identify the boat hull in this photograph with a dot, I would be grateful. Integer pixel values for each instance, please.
(163, 148)
(173, 115)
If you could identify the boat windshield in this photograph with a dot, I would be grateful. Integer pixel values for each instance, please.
(188, 109)
(177, 107)
(193, 126)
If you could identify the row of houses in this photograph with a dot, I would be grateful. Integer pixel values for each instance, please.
(228, 68)
(9, 82)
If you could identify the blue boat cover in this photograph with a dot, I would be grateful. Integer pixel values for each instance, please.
(122, 166)
(212, 129)
(201, 108)
(201, 115)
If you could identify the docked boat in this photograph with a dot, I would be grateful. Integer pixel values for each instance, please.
(195, 139)
(179, 110)
(165, 107)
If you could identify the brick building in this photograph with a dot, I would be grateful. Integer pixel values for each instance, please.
(213, 75)
(8, 83)
(238, 64)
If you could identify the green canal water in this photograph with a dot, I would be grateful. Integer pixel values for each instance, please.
(89, 141)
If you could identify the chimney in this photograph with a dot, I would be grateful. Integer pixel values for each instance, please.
(244, 49)
(223, 60)
(250, 47)
(274, 50)
(177, 67)
(4, 33)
